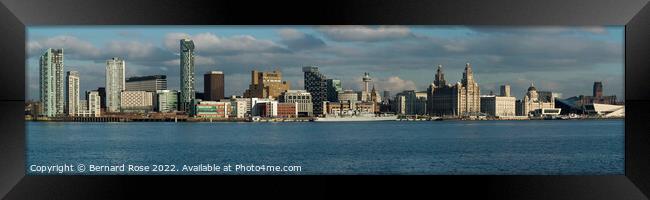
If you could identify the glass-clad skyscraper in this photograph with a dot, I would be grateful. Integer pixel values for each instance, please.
(51, 79)
(115, 83)
(333, 90)
(316, 84)
(187, 76)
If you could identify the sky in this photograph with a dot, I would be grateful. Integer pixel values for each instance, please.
(563, 59)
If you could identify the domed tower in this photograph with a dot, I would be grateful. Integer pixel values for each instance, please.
(532, 92)
(366, 80)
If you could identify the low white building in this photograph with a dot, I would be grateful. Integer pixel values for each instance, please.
(239, 108)
(166, 100)
(304, 105)
(91, 107)
(493, 105)
(606, 110)
(268, 109)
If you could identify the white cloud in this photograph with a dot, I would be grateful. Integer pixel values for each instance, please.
(131, 48)
(364, 33)
(202, 60)
(394, 84)
(297, 40)
(211, 43)
(71, 45)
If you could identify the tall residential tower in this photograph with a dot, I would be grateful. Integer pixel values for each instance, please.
(187, 97)
(72, 96)
(316, 85)
(51, 82)
(115, 83)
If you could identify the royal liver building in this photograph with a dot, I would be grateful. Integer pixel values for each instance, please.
(460, 99)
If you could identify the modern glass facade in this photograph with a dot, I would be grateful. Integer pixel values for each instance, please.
(187, 97)
(316, 85)
(51, 82)
(167, 100)
(146, 83)
(333, 89)
(115, 83)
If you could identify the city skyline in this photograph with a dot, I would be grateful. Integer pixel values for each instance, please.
(398, 58)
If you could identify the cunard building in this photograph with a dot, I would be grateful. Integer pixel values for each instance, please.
(460, 99)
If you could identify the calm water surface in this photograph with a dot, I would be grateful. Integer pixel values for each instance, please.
(439, 147)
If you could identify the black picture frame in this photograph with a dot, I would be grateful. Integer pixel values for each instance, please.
(15, 15)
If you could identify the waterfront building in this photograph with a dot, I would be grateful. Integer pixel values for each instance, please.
(166, 101)
(115, 83)
(460, 99)
(605, 110)
(533, 101)
(341, 108)
(546, 112)
(385, 106)
(348, 108)
(102, 96)
(94, 103)
(411, 102)
(72, 96)
(303, 100)
(136, 101)
(365, 108)
(243, 106)
(212, 109)
(51, 83)
(266, 109)
(470, 100)
(316, 84)
(270, 109)
(213, 86)
(505, 90)
(33, 108)
(187, 94)
(239, 108)
(386, 96)
(83, 109)
(498, 106)
(287, 110)
(333, 89)
(400, 104)
(146, 83)
(266, 85)
(348, 95)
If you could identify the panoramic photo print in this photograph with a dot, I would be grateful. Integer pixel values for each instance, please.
(325, 100)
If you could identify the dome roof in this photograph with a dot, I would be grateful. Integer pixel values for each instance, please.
(532, 88)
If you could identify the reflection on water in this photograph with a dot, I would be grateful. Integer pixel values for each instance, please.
(441, 147)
